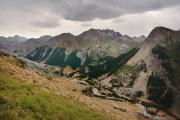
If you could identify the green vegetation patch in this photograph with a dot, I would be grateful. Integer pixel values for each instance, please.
(175, 61)
(73, 60)
(36, 55)
(22, 101)
(158, 91)
(170, 60)
(108, 64)
(57, 58)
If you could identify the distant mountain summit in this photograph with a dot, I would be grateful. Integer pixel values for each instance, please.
(32, 43)
(90, 38)
(106, 39)
(11, 43)
(97, 33)
(17, 38)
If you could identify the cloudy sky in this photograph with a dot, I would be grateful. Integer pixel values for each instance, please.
(34, 18)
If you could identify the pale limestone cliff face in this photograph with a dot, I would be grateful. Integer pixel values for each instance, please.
(165, 38)
(157, 36)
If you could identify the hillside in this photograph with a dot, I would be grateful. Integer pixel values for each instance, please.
(79, 60)
(136, 73)
(153, 73)
(150, 73)
(160, 54)
(27, 95)
(21, 98)
(131, 83)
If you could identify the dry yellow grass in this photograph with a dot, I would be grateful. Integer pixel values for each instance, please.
(72, 90)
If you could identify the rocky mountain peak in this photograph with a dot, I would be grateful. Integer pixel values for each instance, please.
(112, 33)
(161, 35)
(90, 32)
(63, 36)
(99, 32)
(17, 38)
(66, 35)
(45, 37)
(161, 29)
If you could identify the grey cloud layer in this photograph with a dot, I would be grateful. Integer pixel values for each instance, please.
(86, 10)
(39, 17)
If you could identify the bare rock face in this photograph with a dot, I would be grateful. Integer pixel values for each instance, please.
(158, 36)
(159, 52)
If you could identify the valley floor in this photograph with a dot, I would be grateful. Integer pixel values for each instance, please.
(25, 93)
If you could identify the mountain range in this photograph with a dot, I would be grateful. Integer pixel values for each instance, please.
(89, 46)
(11, 43)
(91, 39)
(137, 69)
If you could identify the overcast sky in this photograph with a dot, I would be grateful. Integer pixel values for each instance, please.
(34, 18)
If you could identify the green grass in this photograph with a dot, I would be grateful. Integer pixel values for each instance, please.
(23, 101)
(126, 69)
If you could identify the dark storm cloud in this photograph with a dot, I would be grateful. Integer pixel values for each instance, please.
(87, 10)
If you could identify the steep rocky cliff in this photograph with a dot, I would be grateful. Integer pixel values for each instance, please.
(154, 72)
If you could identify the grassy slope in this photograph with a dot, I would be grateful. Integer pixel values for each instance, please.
(20, 100)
